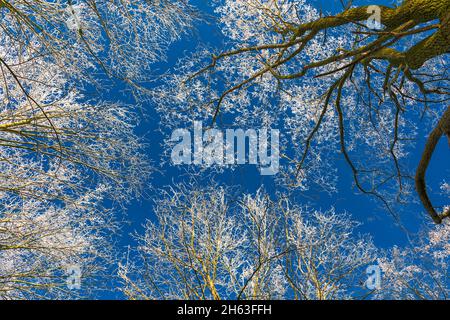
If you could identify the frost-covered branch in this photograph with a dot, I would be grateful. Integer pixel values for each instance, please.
(332, 82)
(205, 244)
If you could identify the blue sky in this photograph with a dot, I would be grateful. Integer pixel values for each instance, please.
(376, 221)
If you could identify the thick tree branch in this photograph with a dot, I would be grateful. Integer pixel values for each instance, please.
(443, 127)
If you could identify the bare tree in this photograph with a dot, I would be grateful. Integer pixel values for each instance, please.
(53, 251)
(62, 155)
(359, 83)
(206, 245)
(420, 271)
(119, 38)
(48, 50)
(52, 133)
(60, 159)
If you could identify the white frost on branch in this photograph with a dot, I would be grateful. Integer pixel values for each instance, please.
(207, 244)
